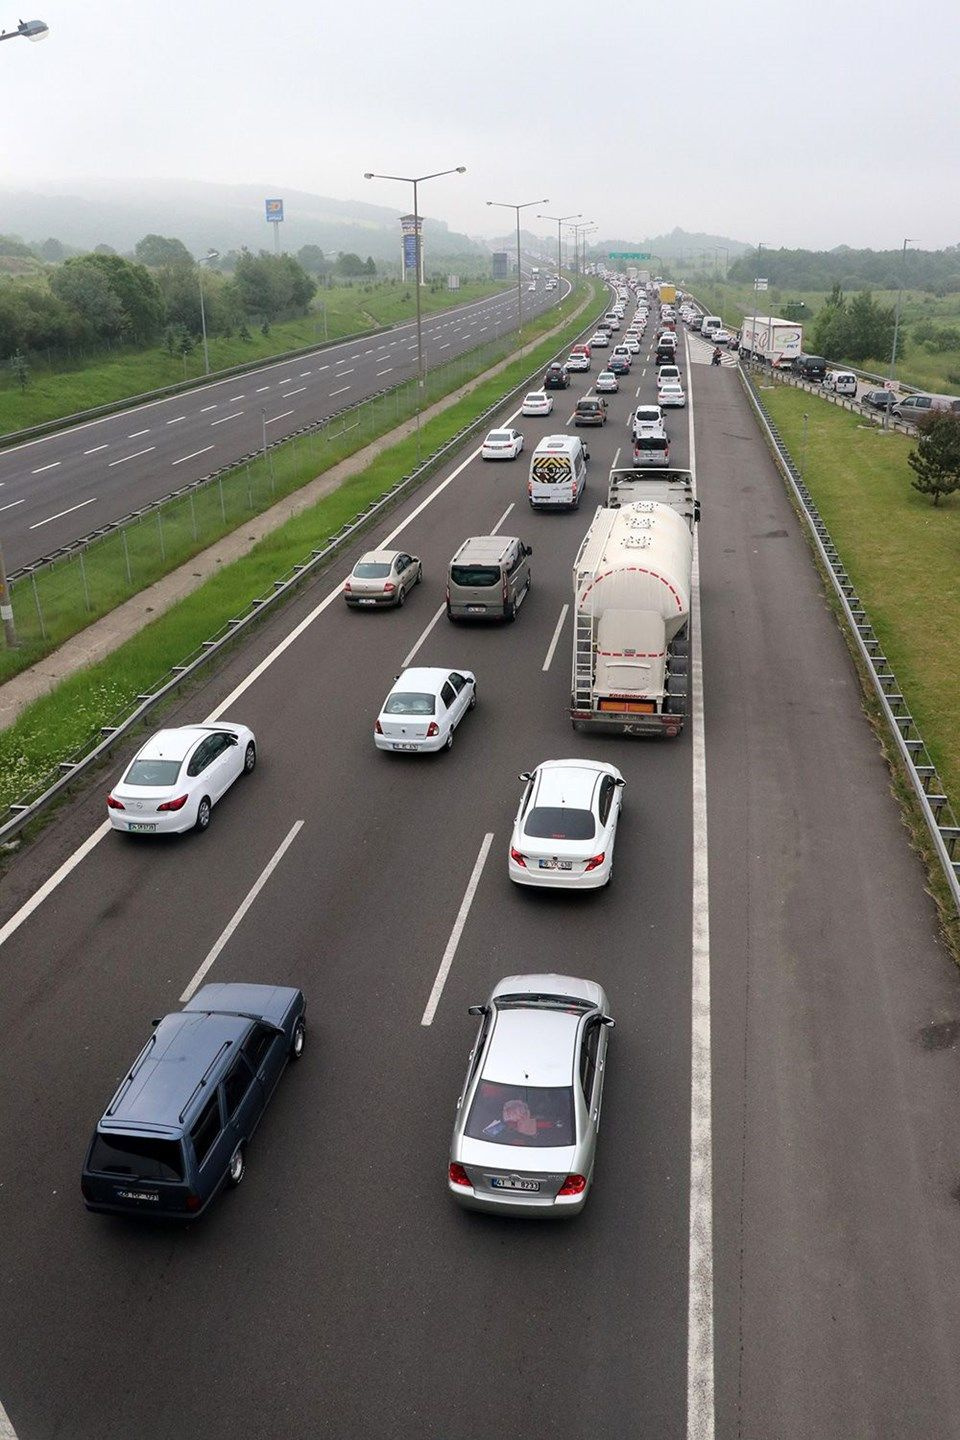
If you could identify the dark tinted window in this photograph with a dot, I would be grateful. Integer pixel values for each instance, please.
(139, 1156)
(202, 756)
(257, 1044)
(457, 681)
(206, 1129)
(651, 442)
(607, 788)
(152, 772)
(475, 574)
(558, 822)
(529, 1115)
(237, 1084)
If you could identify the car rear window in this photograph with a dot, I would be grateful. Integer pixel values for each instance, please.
(559, 822)
(474, 575)
(498, 436)
(152, 772)
(650, 442)
(410, 703)
(371, 571)
(139, 1156)
(531, 1115)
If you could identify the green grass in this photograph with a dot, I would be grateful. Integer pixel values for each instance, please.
(57, 725)
(900, 552)
(54, 392)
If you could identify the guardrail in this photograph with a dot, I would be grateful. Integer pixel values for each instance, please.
(938, 813)
(84, 759)
(846, 402)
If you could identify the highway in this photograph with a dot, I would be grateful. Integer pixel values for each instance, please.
(55, 489)
(339, 1293)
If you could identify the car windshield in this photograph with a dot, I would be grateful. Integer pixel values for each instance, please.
(370, 570)
(473, 575)
(559, 822)
(536, 1116)
(152, 772)
(410, 702)
(140, 1156)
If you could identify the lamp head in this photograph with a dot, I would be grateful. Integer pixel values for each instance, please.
(368, 174)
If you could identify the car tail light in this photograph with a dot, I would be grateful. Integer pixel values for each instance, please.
(347, 586)
(458, 1176)
(573, 1185)
(177, 804)
(595, 860)
(114, 803)
(193, 1201)
(518, 857)
(378, 728)
(432, 729)
(389, 588)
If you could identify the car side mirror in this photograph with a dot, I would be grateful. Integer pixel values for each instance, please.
(528, 549)
(232, 740)
(608, 1020)
(478, 1009)
(620, 783)
(525, 775)
(696, 511)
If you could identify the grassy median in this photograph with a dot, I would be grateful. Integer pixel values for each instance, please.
(900, 553)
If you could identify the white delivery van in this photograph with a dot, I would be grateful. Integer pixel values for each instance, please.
(558, 472)
(709, 324)
(842, 382)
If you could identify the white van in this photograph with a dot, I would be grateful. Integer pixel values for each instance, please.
(709, 324)
(841, 382)
(558, 472)
(612, 320)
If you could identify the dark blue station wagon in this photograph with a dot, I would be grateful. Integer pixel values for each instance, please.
(177, 1129)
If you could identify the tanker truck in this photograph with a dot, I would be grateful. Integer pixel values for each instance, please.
(631, 582)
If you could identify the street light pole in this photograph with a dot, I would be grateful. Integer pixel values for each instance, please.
(585, 225)
(753, 328)
(418, 268)
(506, 205)
(896, 319)
(561, 220)
(29, 29)
(210, 255)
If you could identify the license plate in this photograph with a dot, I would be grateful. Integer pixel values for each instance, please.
(140, 825)
(476, 609)
(366, 602)
(556, 864)
(403, 745)
(500, 1182)
(138, 1195)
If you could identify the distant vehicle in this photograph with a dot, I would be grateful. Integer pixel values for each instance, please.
(601, 338)
(651, 448)
(566, 825)
(768, 338)
(557, 377)
(631, 344)
(488, 578)
(668, 372)
(709, 325)
(721, 337)
(578, 361)
(502, 445)
(583, 349)
(558, 472)
(532, 285)
(670, 392)
(646, 415)
(620, 364)
(878, 399)
(606, 382)
(810, 367)
(178, 775)
(915, 407)
(537, 402)
(381, 577)
(591, 410)
(841, 382)
(424, 708)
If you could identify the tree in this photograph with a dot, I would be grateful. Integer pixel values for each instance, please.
(157, 250)
(349, 264)
(103, 249)
(82, 285)
(21, 370)
(369, 267)
(52, 250)
(936, 460)
(312, 259)
(870, 328)
(137, 291)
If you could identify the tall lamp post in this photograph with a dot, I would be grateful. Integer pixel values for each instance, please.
(29, 29)
(506, 205)
(210, 256)
(416, 180)
(896, 330)
(590, 229)
(561, 221)
(584, 225)
(756, 292)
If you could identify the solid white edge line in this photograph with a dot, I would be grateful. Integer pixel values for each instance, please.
(48, 886)
(457, 931)
(556, 637)
(7, 1431)
(192, 456)
(700, 1336)
(242, 909)
(60, 514)
(502, 518)
(409, 656)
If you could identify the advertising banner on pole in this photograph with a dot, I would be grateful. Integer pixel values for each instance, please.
(409, 225)
(274, 210)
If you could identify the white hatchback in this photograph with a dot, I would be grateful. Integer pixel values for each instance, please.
(424, 708)
(607, 382)
(566, 826)
(538, 402)
(176, 778)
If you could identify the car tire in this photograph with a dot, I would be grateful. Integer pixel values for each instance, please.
(510, 612)
(203, 815)
(419, 574)
(237, 1168)
(250, 758)
(473, 699)
(449, 744)
(401, 596)
(451, 617)
(298, 1039)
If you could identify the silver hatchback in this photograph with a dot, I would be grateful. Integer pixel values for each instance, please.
(525, 1136)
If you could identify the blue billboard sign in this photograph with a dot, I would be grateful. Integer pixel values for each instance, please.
(274, 210)
(410, 252)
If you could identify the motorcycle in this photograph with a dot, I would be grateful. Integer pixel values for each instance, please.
(717, 356)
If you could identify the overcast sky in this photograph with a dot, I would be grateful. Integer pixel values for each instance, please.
(812, 124)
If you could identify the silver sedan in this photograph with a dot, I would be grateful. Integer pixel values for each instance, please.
(525, 1136)
(382, 577)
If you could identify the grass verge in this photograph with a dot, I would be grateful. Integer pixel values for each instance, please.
(59, 724)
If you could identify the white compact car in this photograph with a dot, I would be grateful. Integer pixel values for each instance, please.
(176, 778)
(502, 445)
(606, 381)
(671, 392)
(631, 343)
(424, 708)
(566, 826)
(577, 361)
(538, 402)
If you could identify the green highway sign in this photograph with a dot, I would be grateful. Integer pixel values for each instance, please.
(628, 255)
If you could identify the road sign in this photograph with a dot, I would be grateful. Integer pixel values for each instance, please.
(628, 255)
(274, 209)
(759, 284)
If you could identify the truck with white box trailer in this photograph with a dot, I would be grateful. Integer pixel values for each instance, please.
(767, 338)
(631, 582)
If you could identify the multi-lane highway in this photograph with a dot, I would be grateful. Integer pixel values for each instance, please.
(62, 486)
(339, 1294)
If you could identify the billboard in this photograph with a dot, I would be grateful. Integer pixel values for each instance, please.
(274, 210)
(501, 265)
(410, 225)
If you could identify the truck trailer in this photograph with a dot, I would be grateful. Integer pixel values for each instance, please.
(770, 339)
(631, 585)
(668, 294)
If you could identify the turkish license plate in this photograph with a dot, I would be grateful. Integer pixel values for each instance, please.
(150, 1195)
(556, 864)
(403, 745)
(366, 602)
(140, 825)
(502, 1182)
(476, 609)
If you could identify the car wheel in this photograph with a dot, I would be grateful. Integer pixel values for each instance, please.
(449, 744)
(249, 758)
(203, 814)
(419, 574)
(473, 699)
(297, 1040)
(510, 612)
(401, 596)
(238, 1166)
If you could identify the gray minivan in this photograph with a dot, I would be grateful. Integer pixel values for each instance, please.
(177, 1129)
(489, 578)
(914, 407)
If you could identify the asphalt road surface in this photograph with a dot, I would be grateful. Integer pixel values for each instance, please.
(340, 1292)
(64, 485)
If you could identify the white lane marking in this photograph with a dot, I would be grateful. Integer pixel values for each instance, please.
(234, 398)
(388, 371)
(457, 931)
(342, 373)
(484, 327)
(556, 637)
(175, 421)
(7, 1431)
(615, 459)
(192, 456)
(60, 514)
(11, 505)
(96, 449)
(137, 433)
(242, 909)
(287, 380)
(305, 373)
(445, 345)
(205, 408)
(410, 654)
(48, 886)
(368, 352)
(354, 357)
(341, 391)
(298, 391)
(502, 518)
(42, 468)
(224, 418)
(282, 416)
(322, 367)
(260, 389)
(700, 1340)
(135, 456)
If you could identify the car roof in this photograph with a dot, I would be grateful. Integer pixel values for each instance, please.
(426, 677)
(379, 557)
(174, 744)
(569, 782)
(531, 1046)
(486, 547)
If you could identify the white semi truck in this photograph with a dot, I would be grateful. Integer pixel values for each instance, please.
(776, 341)
(631, 582)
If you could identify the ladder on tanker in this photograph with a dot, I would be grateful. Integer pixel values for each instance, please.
(583, 660)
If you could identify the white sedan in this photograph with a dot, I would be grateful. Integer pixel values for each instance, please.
(606, 380)
(600, 339)
(176, 778)
(424, 708)
(632, 343)
(538, 402)
(671, 392)
(502, 445)
(721, 337)
(566, 826)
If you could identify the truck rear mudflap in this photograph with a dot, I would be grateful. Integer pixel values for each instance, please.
(628, 721)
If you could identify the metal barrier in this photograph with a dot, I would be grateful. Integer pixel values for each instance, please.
(846, 402)
(939, 815)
